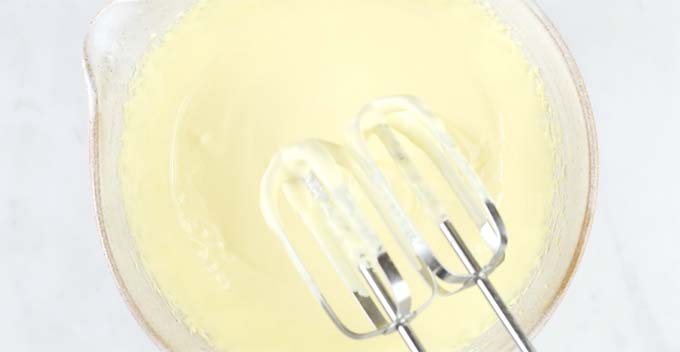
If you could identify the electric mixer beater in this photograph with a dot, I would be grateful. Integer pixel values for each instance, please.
(315, 178)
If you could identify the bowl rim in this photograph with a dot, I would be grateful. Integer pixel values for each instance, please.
(586, 225)
(593, 162)
(93, 98)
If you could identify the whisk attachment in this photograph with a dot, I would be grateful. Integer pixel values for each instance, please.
(394, 117)
(391, 117)
(315, 176)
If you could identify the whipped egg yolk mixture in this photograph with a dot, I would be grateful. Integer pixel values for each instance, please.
(235, 80)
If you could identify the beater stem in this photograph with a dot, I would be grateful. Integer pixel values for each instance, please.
(410, 339)
(489, 292)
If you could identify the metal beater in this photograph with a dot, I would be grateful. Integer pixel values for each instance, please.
(315, 175)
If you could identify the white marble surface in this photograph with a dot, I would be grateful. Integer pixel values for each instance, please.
(56, 292)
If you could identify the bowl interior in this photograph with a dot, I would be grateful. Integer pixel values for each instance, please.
(125, 30)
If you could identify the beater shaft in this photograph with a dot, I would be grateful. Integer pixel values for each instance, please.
(410, 339)
(487, 289)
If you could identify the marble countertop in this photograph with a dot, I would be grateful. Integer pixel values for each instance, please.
(56, 291)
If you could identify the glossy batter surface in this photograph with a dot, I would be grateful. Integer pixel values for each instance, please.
(235, 80)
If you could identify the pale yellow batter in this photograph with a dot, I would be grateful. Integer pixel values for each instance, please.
(235, 80)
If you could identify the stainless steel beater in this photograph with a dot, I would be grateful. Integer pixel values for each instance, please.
(315, 177)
